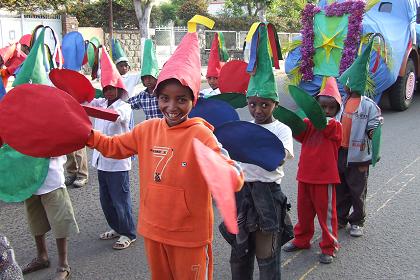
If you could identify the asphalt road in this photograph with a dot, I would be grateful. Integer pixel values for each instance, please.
(390, 248)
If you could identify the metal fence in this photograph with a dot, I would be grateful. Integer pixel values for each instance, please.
(234, 40)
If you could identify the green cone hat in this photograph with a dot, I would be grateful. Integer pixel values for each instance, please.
(356, 76)
(118, 53)
(149, 65)
(33, 68)
(262, 82)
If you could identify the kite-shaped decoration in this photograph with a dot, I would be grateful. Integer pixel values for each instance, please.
(43, 121)
(250, 143)
(216, 112)
(73, 47)
(291, 119)
(376, 145)
(222, 187)
(309, 106)
(20, 175)
(234, 99)
(233, 77)
(74, 83)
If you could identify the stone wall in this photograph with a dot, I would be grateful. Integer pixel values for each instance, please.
(69, 23)
(130, 41)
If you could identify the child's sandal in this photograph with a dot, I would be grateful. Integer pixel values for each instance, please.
(123, 242)
(60, 271)
(109, 235)
(35, 265)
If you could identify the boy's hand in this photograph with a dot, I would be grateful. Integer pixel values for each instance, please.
(370, 133)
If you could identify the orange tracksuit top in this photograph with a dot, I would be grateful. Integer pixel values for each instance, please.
(175, 203)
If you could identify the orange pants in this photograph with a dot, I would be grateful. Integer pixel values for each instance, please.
(169, 262)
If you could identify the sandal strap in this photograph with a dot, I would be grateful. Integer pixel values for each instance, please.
(64, 269)
(123, 240)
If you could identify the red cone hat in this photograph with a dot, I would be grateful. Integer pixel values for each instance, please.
(185, 65)
(214, 64)
(109, 73)
(331, 89)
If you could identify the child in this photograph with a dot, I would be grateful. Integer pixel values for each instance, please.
(113, 175)
(262, 188)
(213, 68)
(50, 208)
(146, 99)
(123, 67)
(317, 176)
(176, 215)
(360, 116)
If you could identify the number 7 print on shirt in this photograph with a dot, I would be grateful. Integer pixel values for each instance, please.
(165, 154)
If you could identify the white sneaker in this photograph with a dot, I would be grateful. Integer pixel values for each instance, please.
(356, 231)
(79, 182)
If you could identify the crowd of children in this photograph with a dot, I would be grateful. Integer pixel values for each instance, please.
(332, 173)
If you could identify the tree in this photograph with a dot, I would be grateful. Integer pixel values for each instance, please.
(190, 8)
(143, 9)
(31, 6)
(286, 16)
(97, 14)
(248, 7)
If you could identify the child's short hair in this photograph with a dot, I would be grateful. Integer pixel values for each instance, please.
(164, 83)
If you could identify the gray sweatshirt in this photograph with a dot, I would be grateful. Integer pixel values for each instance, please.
(365, 118)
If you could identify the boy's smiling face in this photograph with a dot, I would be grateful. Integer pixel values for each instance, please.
(261, 109)
(175, 102)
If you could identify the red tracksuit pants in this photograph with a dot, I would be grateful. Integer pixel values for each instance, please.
(316, 200)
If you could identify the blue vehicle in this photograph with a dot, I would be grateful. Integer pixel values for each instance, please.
(396, 77)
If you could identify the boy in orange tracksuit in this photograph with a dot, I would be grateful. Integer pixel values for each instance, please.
(176, 214)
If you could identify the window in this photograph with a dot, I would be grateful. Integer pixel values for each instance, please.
(385, 7)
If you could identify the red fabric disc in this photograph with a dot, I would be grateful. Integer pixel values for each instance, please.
(233, 77)
(73, 83)
(43, 121)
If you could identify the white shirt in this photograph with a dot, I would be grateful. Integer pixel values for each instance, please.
(130, 82)
(121, 125)
(55, 176)
(207, 92)
(255, 173)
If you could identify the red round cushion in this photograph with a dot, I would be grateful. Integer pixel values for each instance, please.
(233, 77)
(43, 121)
(74, 83)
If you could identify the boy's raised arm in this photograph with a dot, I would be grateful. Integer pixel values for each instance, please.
(118, 146)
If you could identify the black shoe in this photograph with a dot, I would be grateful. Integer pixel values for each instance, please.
(290, 247)
(325, 259)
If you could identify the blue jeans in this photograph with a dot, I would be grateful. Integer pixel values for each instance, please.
(114, 194)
